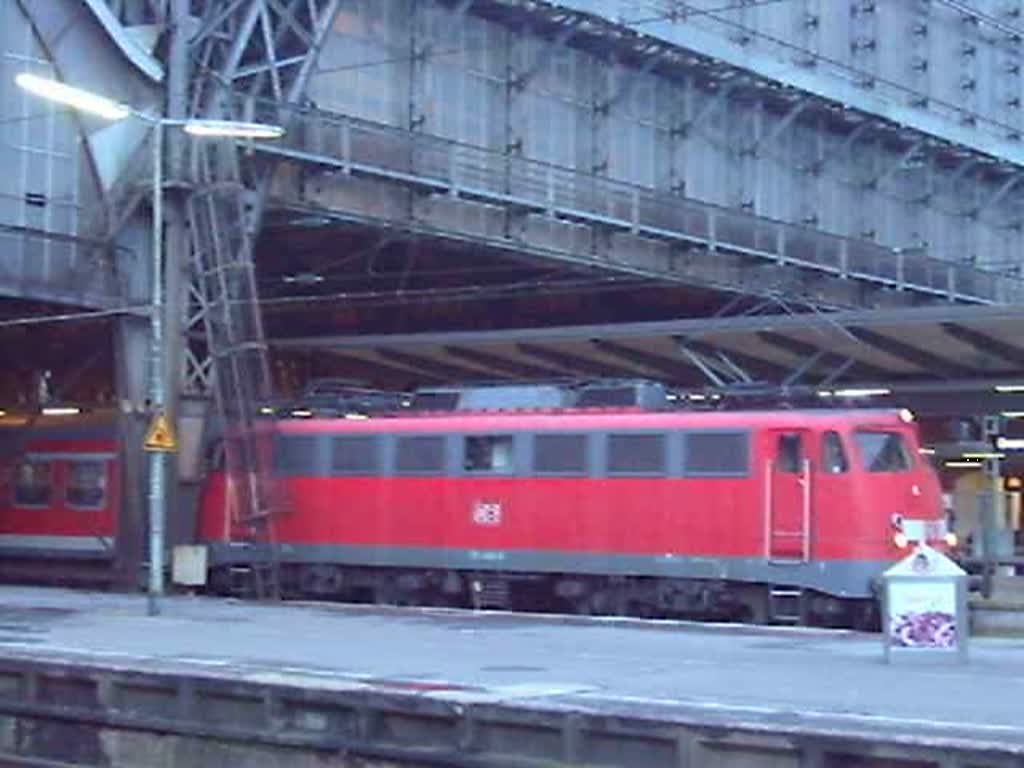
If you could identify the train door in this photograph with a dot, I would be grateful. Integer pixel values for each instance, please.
(788, 494)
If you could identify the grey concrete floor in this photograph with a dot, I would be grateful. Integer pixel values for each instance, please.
(833, 680)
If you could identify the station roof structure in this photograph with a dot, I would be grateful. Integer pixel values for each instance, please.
(940, 358)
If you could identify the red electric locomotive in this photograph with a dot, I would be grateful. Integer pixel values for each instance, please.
(755, 514)
(59, 495)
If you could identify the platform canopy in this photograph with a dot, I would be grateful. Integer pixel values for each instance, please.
(964, 358)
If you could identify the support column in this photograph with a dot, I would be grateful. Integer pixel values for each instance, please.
(131, 358)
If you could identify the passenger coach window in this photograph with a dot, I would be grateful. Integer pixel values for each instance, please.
(716, 453)
(489, 453)
(295, 455)
(420, 455)
(560, 454)
(883, 451)
(789, 456)
(87, 484)
(636, 454)
(833, 457)
(354, 455)
(32, 484)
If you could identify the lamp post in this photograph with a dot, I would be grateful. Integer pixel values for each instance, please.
(108, 109)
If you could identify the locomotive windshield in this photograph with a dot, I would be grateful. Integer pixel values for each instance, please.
(883, 451)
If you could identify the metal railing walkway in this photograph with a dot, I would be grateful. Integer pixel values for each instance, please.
(438, 166)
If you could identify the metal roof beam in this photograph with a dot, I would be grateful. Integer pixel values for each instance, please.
(575, 363)
(919, 357)
(444, 371)
(804, 349)
(499, 363)
(985, 343)
(375, 371)
(663, 365)
(752, 364)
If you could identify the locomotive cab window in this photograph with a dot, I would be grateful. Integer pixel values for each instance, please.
(489, 453)
(789, 453)
(86, 484)
(833, 456)
(883, 451)
(33, 484)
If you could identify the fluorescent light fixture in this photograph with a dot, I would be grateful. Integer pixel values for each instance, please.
(964, 465)
(696, 397)
(72, 97)
(1012, 414)
(926, 451)
(68, 410)
(864, 392)
(356, 416)
(302, 413)
(266, 410)
(2, 413)
(233, 129)
(1009, 443)
(825, 393)
(1004, 388)
(984, 455)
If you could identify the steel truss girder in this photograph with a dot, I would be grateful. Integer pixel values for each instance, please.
(329, 142)
(244, 55)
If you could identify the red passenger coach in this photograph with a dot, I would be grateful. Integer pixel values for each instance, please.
(59, 491)
(762, 515)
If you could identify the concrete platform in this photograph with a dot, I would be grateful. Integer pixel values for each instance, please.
(493, 689)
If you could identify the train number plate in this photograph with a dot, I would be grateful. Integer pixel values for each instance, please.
(487, 513)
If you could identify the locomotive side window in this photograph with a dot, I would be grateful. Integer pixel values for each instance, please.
(87, 484)
(32, 484)
(560, 454)
(789, 455)
(295, 455)
(355, 455)
(883, 451)
(489, 453)
(420, 455)
(716, 453)
(833, 456)
(636, 454)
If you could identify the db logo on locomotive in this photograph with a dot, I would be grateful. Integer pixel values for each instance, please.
(487, 512)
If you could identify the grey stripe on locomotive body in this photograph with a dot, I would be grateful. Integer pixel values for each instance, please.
(847, 579)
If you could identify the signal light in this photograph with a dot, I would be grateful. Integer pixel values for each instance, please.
(951, 539)
(900, 540)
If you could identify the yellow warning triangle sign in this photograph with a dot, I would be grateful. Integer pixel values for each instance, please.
(160, 436)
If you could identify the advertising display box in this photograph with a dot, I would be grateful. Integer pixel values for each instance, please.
(924, 608)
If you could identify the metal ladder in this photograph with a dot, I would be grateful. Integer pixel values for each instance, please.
(221, 230)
